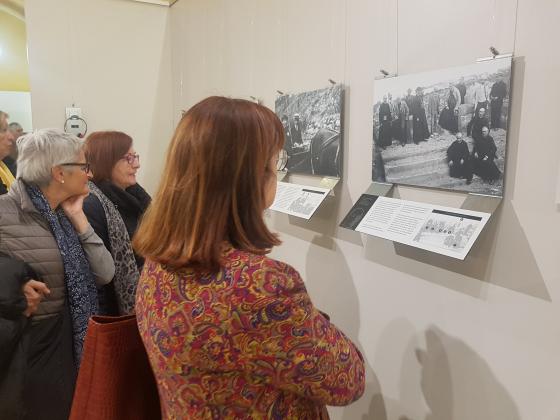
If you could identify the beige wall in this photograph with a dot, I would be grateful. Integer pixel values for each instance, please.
(112, 58)
(14, 72)
(443, 339)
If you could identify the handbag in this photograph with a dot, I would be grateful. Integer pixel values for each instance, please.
(115, 380)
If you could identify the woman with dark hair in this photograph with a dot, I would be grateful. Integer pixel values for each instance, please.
(114, 207)
(230, 332)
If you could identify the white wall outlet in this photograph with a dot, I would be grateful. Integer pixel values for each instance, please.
(73, 111)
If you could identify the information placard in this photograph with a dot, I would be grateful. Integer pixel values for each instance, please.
(298, 200)
(444, 230)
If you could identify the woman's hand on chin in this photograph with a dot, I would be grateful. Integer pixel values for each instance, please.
(73, 207)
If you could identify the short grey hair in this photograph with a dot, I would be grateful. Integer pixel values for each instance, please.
(41, 150)
(15, 126)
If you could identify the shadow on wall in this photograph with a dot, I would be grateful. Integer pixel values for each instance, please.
(399, 339)
(335, 290)
(502, 254)
(458, 384)
(323, 225)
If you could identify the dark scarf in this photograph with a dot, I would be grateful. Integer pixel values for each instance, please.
(80, 284)
(133, 201)
(131, 204)
(126, 270)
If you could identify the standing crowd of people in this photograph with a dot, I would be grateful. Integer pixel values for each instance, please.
(403, 119)
(229, 332)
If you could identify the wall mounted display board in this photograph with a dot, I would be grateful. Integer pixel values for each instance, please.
(298, 200)
(444, 129)
(313, 129)
(443, 230)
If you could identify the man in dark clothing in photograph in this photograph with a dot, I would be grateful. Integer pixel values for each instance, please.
(296, 130)
(497, 95)
(459, 159)
(288, 146)
(395, 123)
(420, 130)
(476, 124)
(448, 118)
(484, 154)
(385, 134)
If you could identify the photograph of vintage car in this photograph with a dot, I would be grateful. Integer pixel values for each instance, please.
(313, 130)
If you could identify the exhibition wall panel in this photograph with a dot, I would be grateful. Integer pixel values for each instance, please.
(443, 339)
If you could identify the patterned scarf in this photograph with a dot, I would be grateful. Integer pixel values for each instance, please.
(126, 271)
(80, 284)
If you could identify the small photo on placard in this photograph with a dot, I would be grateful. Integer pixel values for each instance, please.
(358, 211)
(451, 231)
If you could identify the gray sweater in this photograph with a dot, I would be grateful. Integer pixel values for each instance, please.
(26, 236)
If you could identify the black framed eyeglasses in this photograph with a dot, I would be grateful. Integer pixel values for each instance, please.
(131, 158)
(85, 167)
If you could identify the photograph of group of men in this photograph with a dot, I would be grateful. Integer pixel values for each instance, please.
(443, 129)
(312, 129)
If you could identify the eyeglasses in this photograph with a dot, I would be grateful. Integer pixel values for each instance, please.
(131, 158)
(282, 160)
(83, 166)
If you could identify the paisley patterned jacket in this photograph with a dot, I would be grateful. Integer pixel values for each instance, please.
(243, 343)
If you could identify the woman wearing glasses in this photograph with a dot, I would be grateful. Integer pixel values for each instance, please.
(42, 224)
(114, 208)
(230, 332)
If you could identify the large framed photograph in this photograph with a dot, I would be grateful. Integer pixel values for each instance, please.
(313, 130)
(444, 129)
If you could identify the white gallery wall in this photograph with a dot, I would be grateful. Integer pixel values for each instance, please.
(443, 339)
(111, 58)
(20, 106)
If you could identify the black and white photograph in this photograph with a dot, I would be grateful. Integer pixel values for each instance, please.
(313, 130)
(444, 128)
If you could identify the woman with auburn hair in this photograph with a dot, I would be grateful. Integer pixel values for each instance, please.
(231, 333)
(114, 208)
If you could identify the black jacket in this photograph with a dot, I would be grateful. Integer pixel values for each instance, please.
(131, 204)
(13, 355)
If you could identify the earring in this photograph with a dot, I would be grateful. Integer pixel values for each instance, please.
(62, 181)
